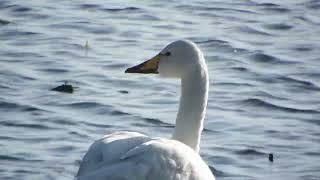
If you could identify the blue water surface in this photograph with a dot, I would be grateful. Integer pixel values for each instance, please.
(264, 64)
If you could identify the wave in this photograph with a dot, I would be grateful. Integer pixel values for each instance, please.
(260, 103)
(16, 106)
(13, 158)
(273, 7)
(97, 125)
(100, 8)
(300, 83)
(313, 4)
(211, 41)
(279, 26)
(24, 125)
(157, 122)
(250, 30)
(21, 9)
(260, 57)
(119, 113)
(249, 152)
(4, 22)
(86, 105)
(121, 9)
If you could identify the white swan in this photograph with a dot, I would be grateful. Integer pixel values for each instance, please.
(134, 156)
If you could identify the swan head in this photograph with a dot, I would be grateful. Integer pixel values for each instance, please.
(175, 60)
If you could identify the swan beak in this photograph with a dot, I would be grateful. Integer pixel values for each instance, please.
(148, 67)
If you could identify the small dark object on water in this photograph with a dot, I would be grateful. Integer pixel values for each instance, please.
(271, 157)
(123, 92)
(66, 88)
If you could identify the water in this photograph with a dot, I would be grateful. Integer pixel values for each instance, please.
(263, 59)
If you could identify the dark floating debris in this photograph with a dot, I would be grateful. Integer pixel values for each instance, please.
(123, 92)
(270, 157)
(65, 88)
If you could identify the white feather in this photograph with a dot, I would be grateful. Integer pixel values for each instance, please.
(134, 156)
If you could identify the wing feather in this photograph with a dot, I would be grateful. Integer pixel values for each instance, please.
(133, 156)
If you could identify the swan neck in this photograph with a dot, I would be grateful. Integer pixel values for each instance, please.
(192, 108)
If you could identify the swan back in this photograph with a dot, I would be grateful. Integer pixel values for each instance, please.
(133, 156)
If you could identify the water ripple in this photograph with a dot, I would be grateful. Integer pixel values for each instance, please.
(275, 8)
(17, 107)
(264, 82)
(265, 58)
(250, 30)
(24, 125)
(13, 158)
(313, 4)
(10, 158)
(20, 8)
(279, 26)
(303, 84)
(253, 102)
(4, 22)
(127, 9)
(250, 152)
(101, 8)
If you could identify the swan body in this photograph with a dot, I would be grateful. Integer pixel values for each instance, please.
(134, 156)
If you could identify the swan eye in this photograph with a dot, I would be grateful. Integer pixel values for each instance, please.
(167, 53)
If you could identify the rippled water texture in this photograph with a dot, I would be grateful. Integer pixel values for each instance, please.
(264, 63)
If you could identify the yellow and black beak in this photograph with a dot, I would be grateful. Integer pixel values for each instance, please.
(148, 67)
